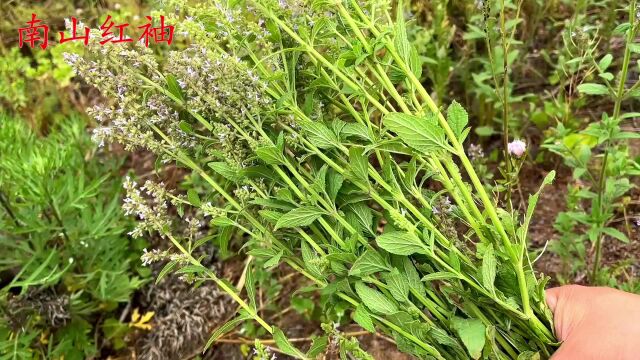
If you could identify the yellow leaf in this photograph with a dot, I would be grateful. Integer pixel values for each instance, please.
(141, 322)
(142, 326)
(44, 338)
(147, 316)
(135, 316)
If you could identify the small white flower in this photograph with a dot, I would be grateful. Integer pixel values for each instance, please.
(517, 148)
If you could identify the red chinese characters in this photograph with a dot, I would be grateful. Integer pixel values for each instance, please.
(159, 34)
(107, 34)
(33, 34)
(74, 32)
(37, 32)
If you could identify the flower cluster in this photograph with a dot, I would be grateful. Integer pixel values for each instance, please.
(222, 89)
(155, 255)
(131, 116)
(152, 213)
(217, 85)
(262, 352)
(475, 152)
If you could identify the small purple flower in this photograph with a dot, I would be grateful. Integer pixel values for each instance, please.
(517, 148)
(71, 59)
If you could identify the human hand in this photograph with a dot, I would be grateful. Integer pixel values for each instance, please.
(595, 323)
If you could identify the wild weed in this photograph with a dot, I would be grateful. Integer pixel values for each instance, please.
(66, 257)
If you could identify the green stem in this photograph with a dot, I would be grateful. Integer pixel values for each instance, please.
(505, 105)
(616, 115)
(223, 285)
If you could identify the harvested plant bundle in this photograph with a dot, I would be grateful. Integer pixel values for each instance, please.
(314, 139)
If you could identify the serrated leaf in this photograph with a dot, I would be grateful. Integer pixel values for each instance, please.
(270, 155)
(270, 215)
(193, 197)
(318, 346)
(309, 256)
(415, 62)
(593, 89)
(319, 134)
(440, 275)
(285, 345)
(368, 263)
(363, 318)
(400, 40)
(489, 265)
(334, 184)
(375, 300)
(457, 118)
(359, 164)
(320, 181)
(274, 261)
(441, 337)
(401, 243)
(420, 133)
(357, 130)
(363, 215)
(412, 276)
(397, 284)
(272, 203)
(174, 87)
(303, 216)
(472, 334)
(226, 171)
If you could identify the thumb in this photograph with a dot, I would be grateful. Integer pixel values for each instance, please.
(552, 295)
(566, 303)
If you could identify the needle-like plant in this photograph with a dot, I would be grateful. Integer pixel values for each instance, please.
(317, 142)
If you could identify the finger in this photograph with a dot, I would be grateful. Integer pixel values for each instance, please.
(552, 295)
